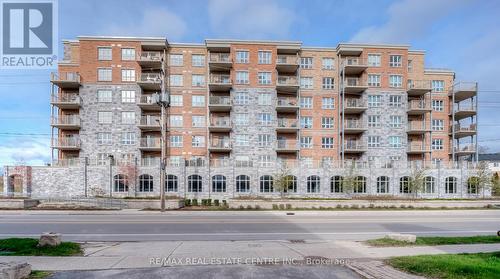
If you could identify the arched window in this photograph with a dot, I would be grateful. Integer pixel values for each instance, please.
(242, 183)
(360, 184)
(382, 184)
(172, 183)
(194, 183)
(472, 184)
(450, 185)
(145, 183)
(313, 183)
(429, 184)
(404, 185)
(336, 184)
(266, 184)
(121, 183)
(291, 184)
(218, 183)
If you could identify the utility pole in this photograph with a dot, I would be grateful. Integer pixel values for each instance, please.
(162, 99)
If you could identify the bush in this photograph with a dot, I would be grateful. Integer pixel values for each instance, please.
(288, 206)
(402, 206)
(346, 206)
(275, 206)
(249, 207)
(187, 202)
(338, 206)
(257, 207)
(241, 207)
(216, 202)
(371, 205)
(354, 206)
(209, 202)
(195, 202)
(282, 207)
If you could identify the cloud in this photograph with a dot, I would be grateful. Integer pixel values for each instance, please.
(28, 151)
(250, 19)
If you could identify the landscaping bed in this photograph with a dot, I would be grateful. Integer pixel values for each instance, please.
(28, 247)
(435, 240)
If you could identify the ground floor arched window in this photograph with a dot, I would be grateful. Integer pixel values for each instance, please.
(429, 185)
(172, 183)
(290, 184)
(404, 185)
(382, 184)
(313, 184)
(120, 183)
(218, 183)
(472, 185)
(145, 183)
(360, 184)
(266, 184)
(450, 185)
(242, 184)
(195, 183)
(336, 184)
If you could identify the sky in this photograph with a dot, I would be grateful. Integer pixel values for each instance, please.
(462, 35)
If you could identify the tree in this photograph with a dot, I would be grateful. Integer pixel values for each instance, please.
(417, 180)
(495, 184)
(482, 180)
(350, 180)
(131, 172)
(283, 180)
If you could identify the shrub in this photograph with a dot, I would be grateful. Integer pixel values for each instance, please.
(363, 206)
(402, 206)
(209, 202)
(354, 206)
(282, 207)
(346, 206)
(392, 206)
(288, 206)
(187, 202)
(249, 207)
(216, 202)
(275, 206)
(410, 206)
(195, 202)
(257, 207)
(338, 206)
(241, 207)
(371, 205)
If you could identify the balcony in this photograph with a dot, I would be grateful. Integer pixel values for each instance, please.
(462, 131)
(418, 87)
(354, 106)
(354, 126)
(417, 128)
(150, 59)
(287, 146)
(354, 65)
(287, 105)
(418, 107)
(220, 124)
(66, 143)
(464, 110)
(286, 125)
(66, 122)
(463, 90)
(150, 81)
(417, 148)
(355, 86)
(68, 80)
(464, 149)
(287, 84)
(147, 103)
(220, 61)
(354, 147)
(220, 82)
(66, 100)
(219, 103)
(150, 144)
(287, 63)
(150, 122)
(219, 145)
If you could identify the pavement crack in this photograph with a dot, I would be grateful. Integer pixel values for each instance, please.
(173, 250)
(104, 248)
(291, 248)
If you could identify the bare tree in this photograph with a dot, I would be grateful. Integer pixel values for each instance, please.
(131, 172)
(417, 180)
(350, 180)
(495, 184)
(482, 180)
(283, 180)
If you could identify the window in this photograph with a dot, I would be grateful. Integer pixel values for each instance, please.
(242, 98)
(336, 184)
(306, 102)
(172, 183)
(103, 159)
(313, 184)
(128, 138)
(306, 62)
(176, 80)
(265, 119)
(120, 183)
(327, 122)
(305, 142)
(266, 184)
(242, 184)
(241, 119)
(472, 185)
(218, 183)
(198, 121)
(198, 60)
(374, 80)
(450, 185)
(306, 83)
(373, 141)
(328, 63)
(290, 182)
(264, 78)
(194, 183)
(197, 80)
(438, 85)
(198, 101)
(176, 121)
(327, 103)
(395, 81)
(437, 125)
(374, 60)
(360, 184)
(410, 65)
(243, 161)
(104, 74)
(264, 140)
(145, 183)
(264, 57)
(382, 184)
(176, 100)
(404, 185)
(104, 53)
(104, 96)
(374, 101)
(306, 122)
(327, 142)
(175, 141)
(265, 161)
(395, 61)
(429, 184)
(373, 120)
(328, 83)
(437, 144)
(265, 99)
(128, 117)
(395, 121)
(104, 138)
(128, 75)
(176, 59)
(242, 140)
(128, 54)
(128, 96)
(438, 105)
(395, 100)
(104, 117)
(395, 141)
(198, 141)
(242, 77)
(242, 56)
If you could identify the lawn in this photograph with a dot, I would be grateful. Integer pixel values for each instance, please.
(436, 240)
(460, 266)
(28, 247)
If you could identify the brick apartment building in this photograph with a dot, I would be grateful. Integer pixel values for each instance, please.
(238, 107)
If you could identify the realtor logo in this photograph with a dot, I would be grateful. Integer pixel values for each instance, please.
(29, 34)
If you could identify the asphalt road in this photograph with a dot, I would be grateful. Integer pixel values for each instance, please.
(250, 225)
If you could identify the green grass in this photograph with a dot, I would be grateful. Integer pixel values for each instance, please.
(37, 274)
(460, 266)
(436, 240)
(28, 247)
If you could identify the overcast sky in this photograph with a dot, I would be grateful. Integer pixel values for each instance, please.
(458, 34)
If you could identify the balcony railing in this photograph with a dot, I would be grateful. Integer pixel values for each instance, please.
(287, 123)
(150, 56)
(419, 85)
(354, 145)
(287, 60)
(354, 103)
(418, 105)
(220, 122)
(287, 144)
(286, 102)
(464, 106)
(287, 81)
(220, 100)
(353, 124)
(354, 82)
(150, 120)
(150, 142)
(220, 79)
(464, 128)
(417, 147)
(65, 77)
(150, 162)
(467, 148)
(69, 142)
(417, 126)
(465, 86)
(220, 143)
(354, 61)
(70, 98)
(150, 77)
(66, 120)
(223, 57)
(147, 99)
